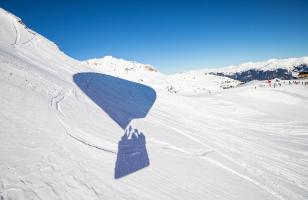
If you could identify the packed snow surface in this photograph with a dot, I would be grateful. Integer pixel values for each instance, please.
(80, 130)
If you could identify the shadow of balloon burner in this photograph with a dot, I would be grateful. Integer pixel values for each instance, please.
(122, 101)
(132, 153)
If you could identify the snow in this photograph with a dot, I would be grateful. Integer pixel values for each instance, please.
(269, 65)
(64, 129)
(188, 83)
(194, 83)
(130, 70)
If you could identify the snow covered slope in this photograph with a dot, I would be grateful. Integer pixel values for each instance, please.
(194, 83)
(68, 131)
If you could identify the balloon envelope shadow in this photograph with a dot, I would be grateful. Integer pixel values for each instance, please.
(123, 101)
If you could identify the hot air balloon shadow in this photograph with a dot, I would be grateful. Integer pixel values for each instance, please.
(123, 101)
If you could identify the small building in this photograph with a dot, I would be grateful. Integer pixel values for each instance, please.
(303, 74)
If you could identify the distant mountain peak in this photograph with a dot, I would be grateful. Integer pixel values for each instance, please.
(271, 64)
(120, 63)
(131, 70)
(273, 68)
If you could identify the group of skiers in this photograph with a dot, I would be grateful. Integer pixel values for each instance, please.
(278, 83)
(299, 82)
(275, 84)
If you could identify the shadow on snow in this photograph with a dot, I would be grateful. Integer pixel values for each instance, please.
(123, 101)
(132, 153)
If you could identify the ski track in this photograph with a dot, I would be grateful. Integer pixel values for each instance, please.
(249, 179)
(82, 141)
(56, 102)
(17, 34)
(28, 41)
(245, 166)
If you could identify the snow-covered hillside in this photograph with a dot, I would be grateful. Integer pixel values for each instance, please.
(269, 65)
(73, 130)
(194, 83)
(130, 70)
(186, 83)
(270, 69)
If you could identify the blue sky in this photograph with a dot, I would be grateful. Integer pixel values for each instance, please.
(171, 35)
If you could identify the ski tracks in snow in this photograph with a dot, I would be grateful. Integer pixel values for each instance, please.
(78, 135)
(69, 133)
(56, 100)
(17, 38)
(203, 154)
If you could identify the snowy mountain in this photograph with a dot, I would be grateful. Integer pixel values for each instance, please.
(126, 69)
(266, 70)
(188, 83)
(85, 130)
